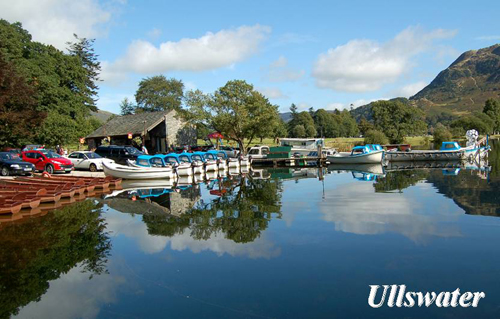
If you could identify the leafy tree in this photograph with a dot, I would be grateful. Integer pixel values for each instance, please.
(158, 93)
(18, 116)
(127, 107)
(441, 134)
(299, 131)
(305, 119)
(280, 130)
(325, 123)
(365, 126)
(492, 109)
(83, 48)
(236, 110)
(479, 121)
(347, 123)
(397, 120)
(61, 82)
(375, 137)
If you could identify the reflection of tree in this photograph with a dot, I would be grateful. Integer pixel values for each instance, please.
(241, 213)
(477, 196)
(399, 180)
(494, 158)
(41, 249)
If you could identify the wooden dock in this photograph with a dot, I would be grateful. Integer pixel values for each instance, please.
(33, 196)
(290, 162)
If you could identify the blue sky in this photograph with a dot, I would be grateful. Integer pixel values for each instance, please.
(324, 54)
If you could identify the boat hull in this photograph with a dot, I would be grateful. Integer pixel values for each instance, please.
(375, 157)
(127, 172)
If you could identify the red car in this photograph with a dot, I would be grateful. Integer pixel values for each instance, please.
(48, 161)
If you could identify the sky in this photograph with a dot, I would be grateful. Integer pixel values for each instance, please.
(320, 54)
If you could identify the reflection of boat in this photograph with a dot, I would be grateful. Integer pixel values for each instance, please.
(134, 185)
(358, 155)
(127, 172)
(364, 176)
(368, 168)
(260, 174)
(392, 166)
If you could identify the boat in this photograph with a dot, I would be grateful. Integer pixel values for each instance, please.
(210, 164)
(220, 156)
(359, 155)
(303, 146)
(196, 165)
(128, 172)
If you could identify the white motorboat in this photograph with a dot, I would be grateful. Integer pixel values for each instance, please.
(128, 172)
(358, 155)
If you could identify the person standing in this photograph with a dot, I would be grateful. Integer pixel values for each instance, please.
(144, 149)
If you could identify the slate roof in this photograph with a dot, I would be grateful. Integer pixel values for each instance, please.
(122, 125)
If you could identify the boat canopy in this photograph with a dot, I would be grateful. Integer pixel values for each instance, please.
(363, 149)
(375, 147)
(450, 146)
(144, 160)
(217, 154)
(171, 158)
(185, 157)
(198, 156)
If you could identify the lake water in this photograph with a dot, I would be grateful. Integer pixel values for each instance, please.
(282, 244)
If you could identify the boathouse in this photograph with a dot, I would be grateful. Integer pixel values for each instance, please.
(159, 130)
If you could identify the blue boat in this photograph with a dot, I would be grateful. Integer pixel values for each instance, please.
(364, 154)
(219, 156)
(196, 164)
(210, 163)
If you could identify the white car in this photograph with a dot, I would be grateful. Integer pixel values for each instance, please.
(88, 160)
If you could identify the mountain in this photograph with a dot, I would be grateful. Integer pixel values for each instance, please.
(460, 89)
(101, 115)
(286, 116)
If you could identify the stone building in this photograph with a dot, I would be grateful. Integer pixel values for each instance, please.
(161, 129)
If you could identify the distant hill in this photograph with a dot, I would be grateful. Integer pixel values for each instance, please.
(460, 89)
(286, 117)
(101, 115)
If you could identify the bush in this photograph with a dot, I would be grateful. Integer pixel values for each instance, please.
(441, 134)
(375, 137)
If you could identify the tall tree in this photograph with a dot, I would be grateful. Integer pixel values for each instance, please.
(83, 48)
(236, 110)
(492, 109)
(397, 120)
(18, 116)
(158, 93)
(326, 126)
(127, 107)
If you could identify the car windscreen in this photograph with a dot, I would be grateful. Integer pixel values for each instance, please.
(7, 156)
(51, 155)
(93, 155)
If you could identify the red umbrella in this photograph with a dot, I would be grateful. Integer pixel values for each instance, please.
(215, 135)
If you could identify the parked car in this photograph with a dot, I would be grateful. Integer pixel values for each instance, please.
(48, 161)
(259, 151)
(88, 160)
(119, 154)
(11, 164)
(32, 147)
(12, 150)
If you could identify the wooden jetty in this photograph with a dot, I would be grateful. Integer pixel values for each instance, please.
(290, 162)
(34, 196)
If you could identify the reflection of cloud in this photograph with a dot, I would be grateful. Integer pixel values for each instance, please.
(131, 227)
(356, 208)
(74, 296)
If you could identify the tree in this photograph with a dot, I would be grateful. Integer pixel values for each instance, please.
(299, 131)
(347, 123)
(365, 126)
(18, 116)
(304, 119)
(83, 48)
(158, 93)
(441, 134)
(325, 123)
(235, 110)
(280, 130)
(375, 137)
(127, 107)
(397, 120)
(492, 109)
(479, 121)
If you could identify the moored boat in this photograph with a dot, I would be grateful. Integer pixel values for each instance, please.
(359, 155)
(128, 172)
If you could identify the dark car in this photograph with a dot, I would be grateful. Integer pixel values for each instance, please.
(120, 154)
(11, 164)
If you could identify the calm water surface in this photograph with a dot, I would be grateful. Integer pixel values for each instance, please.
(281, 244)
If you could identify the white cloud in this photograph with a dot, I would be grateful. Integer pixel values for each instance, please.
(210, 51)
(410, 89)
(279, 71)
(365, 65)
(154, 33)
(380, 213)
(82, 299)
(272, 93)
(354, 104)
(133, 228)
(488, 38)
(55, 21)
(333, 106)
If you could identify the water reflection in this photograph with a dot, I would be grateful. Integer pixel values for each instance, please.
(216, 229)
(40, 250)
